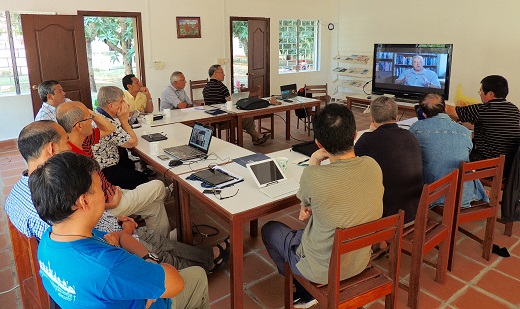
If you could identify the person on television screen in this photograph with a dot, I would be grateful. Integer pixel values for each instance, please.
(418, 76)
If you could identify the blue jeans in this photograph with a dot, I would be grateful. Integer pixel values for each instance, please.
(281, 243)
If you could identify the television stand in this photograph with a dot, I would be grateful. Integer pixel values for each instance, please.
(363, 100)
(407, 100)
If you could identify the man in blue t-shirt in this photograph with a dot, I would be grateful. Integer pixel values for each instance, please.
(418, 76)
(82, 267)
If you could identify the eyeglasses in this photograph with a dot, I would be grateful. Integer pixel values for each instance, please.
(217, 194)
(86, 119)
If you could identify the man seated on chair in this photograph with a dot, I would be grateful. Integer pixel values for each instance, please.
(174, 96)
(398, 154)
(146, 200)
(52, 95)
(83, 267)
(216, 92)
(345, 193)
(38, 142)
(444, 144)
(136, 95)
(496, 122)
(110, 152)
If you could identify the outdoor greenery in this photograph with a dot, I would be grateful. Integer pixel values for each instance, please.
(241, 31)
(298, 45)
(118, 34)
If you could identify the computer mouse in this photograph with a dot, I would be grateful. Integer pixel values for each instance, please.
(369, 97)
(175, 163)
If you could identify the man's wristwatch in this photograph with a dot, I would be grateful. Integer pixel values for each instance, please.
(152, 256)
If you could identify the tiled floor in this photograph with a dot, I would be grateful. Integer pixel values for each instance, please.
(475, 283)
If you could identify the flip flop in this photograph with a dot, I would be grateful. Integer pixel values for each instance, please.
(263, 139)
(223, 256)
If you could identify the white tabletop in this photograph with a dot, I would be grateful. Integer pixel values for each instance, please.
(178, 134)
(184, 115)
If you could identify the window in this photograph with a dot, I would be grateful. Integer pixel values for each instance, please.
(14, 76)
(298, 46)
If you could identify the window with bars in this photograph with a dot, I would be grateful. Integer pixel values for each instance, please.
(298, 46)
(14, 76)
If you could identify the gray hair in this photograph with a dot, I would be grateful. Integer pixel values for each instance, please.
(107, 95)
(35, 136)
(175, 76)
(45, 88)
(383, 109)
(67, 115)
(418, 56)
(213, 68)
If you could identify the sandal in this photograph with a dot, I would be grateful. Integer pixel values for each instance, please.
(262, 139)
(223, 256)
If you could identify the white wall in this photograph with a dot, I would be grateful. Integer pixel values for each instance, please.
(483, 34)
(191, 56)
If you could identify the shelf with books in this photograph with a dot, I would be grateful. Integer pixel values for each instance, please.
(352, 72)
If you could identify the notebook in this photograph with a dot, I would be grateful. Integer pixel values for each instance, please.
(198, 144)
(288, 91)
(270, 179)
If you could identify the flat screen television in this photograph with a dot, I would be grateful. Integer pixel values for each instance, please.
(409, 71)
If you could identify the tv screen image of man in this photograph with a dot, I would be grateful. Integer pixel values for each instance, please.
(418, 76)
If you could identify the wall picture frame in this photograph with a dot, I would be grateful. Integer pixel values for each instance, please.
(188, 27)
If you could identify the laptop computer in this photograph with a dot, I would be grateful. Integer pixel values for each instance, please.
(270, 178)
(198, 144)
(288, 91)
(239, 95)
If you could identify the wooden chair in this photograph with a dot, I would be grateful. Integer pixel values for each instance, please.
(197, 84)
(27, 269)
(508, 226)
(255, 93)
(158, 104)
(372, 283)
(317, 92)
(425, 234)
(479, 210)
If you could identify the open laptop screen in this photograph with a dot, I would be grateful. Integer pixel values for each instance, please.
(265, 172)
(201, 137)
(288, 91)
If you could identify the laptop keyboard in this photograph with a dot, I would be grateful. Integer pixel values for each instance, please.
(281, 188)
(183, 152)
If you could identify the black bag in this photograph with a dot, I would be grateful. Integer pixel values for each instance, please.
(252, 103)
(301, 112)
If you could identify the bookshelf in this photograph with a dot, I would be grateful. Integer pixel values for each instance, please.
(351, 72)
(393, 64)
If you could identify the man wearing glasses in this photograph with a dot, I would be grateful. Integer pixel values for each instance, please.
(147, 200)
(174, 96)
(216, 92)
(111, 152)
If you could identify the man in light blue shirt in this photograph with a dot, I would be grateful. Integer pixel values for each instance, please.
(419, 76)
(444, 144)
(174, 96)
(52, 95)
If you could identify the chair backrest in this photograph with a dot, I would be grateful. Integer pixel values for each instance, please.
(491, 169)
(158, 104)
(254, 92)
(197, 84)
(27, 269)
(346, 240)
(445, 187)
(319, 91)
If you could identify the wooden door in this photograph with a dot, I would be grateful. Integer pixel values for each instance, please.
(258, 71)
(55, 49)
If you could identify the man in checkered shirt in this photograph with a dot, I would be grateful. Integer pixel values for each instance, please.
(52, 95)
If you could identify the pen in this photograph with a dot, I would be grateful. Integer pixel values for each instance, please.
(303, 161)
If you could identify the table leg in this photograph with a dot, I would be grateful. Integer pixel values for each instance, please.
(232, 130)
(184, 200)
(240, 132)
(253, 228)
(288, 125)
(237, 265)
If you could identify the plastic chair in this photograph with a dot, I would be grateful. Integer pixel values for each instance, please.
(372, 283)
(197, 84)
(425, 234)
(27, 270)
(255, 93)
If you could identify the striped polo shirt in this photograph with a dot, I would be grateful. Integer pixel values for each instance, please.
(215, 92)
(496, 132)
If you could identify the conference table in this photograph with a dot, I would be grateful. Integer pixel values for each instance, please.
(235, 116)
(246, 206)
